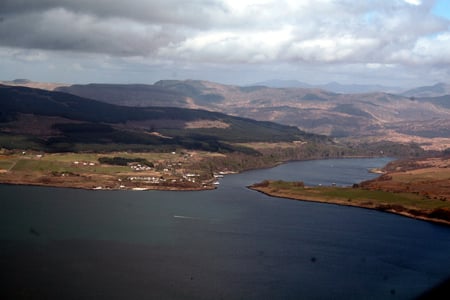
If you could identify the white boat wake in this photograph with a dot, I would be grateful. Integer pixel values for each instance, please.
(184, 217)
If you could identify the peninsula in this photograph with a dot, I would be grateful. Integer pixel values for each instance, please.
(416, 188)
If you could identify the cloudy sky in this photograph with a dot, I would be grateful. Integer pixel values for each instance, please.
(391, 42)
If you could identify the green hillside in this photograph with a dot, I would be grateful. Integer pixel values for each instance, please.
(71, 123)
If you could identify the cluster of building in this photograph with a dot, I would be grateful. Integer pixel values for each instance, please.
(191, 177)
(83, 163)
(147, 179)
(139, 167)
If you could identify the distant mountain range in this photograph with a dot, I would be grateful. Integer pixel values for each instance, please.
(373, 116)
(378, 115)
(438, 89)
(334, 87)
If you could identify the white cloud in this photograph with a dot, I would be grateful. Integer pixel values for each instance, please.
(433, 50)
(413, 2)
(30, 55)
(376, 66)
(77, 67)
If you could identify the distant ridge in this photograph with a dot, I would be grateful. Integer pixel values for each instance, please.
(334, 87)
(279, 83)
(50, 86)
(436, 90)
(21, 81)
(369, 116)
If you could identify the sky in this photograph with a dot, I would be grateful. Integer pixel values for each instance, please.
(403, 43)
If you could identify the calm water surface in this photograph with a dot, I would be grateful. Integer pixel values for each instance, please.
(230, 243)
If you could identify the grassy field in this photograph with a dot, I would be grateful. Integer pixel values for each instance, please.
(420, 175)
(5, 164)
(355, 196)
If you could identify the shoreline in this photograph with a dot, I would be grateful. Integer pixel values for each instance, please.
(83, 171)
(110, 185)
(112, 182)
(99, 188)
(340, 202)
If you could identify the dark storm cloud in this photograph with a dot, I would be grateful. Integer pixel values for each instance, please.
(190, 13)
(114, 27)
(59, 29)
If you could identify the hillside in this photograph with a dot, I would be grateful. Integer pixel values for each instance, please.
(56, 121)
(366, 117)
(129, 94)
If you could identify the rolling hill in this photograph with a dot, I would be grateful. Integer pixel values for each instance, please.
(436, 90)
(129, 94)
(50, 86)
(375, 116)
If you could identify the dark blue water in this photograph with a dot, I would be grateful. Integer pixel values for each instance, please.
(230, 243)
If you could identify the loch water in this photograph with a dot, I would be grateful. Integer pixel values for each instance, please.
(228, 243)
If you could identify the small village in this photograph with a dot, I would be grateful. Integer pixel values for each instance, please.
(137, 171)
(171, 174)
(166, 173)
